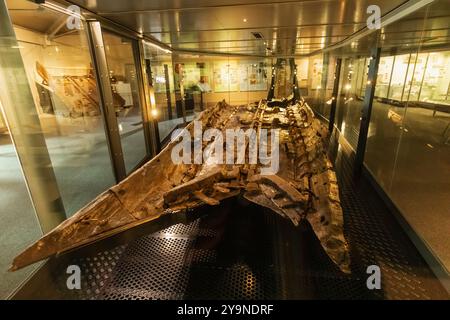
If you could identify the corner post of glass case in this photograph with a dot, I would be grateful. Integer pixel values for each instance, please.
(100, 66)
(271, 93)
(295, 86)
(151, 108)
(23, 122)
(147, 94)
(337, 75)
(180, 101)
(367, 110)
(168, 95)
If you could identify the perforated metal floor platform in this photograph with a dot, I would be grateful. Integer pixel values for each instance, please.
(241, 251)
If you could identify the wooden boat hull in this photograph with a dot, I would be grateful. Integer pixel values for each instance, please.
(305, 187)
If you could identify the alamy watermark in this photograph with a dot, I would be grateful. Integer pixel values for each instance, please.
(263, 147)
(374, 280)
(74, 279)
(374, 20)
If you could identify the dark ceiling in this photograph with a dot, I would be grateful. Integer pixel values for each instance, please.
(286, 27)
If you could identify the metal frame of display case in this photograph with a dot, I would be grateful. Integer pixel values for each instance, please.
(106, 98)
(367, 109)
(145, 92)
(179, 90)
(337, 75)
(145, 103)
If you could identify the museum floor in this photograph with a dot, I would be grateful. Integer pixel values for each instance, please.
(241, 251)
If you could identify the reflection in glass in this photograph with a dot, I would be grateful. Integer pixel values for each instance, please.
(163, 83)
(349, 102)
(399, 75)
(435, 86)
(384, 76)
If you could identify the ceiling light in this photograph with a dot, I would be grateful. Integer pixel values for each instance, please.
(245, 20)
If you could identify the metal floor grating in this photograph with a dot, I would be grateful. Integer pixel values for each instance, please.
(242, 251)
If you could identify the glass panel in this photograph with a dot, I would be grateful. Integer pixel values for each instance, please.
(356, 59)
(349, 102)
(197, 76)
(163, 82)
(283, 82)
(314, 81)
(328, 90)
(59, 70)
(253, 76)
(408, 149)
(410, 80)
(206, 80)
(360, 77)
(125, 89)
(19, 226)
(320, 86)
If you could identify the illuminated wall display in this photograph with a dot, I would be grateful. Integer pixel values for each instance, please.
(411, 77)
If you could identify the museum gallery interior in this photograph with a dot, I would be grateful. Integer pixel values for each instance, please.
(225, 149)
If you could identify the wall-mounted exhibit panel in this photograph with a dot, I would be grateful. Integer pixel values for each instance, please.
(237, 80)
(415, 77)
